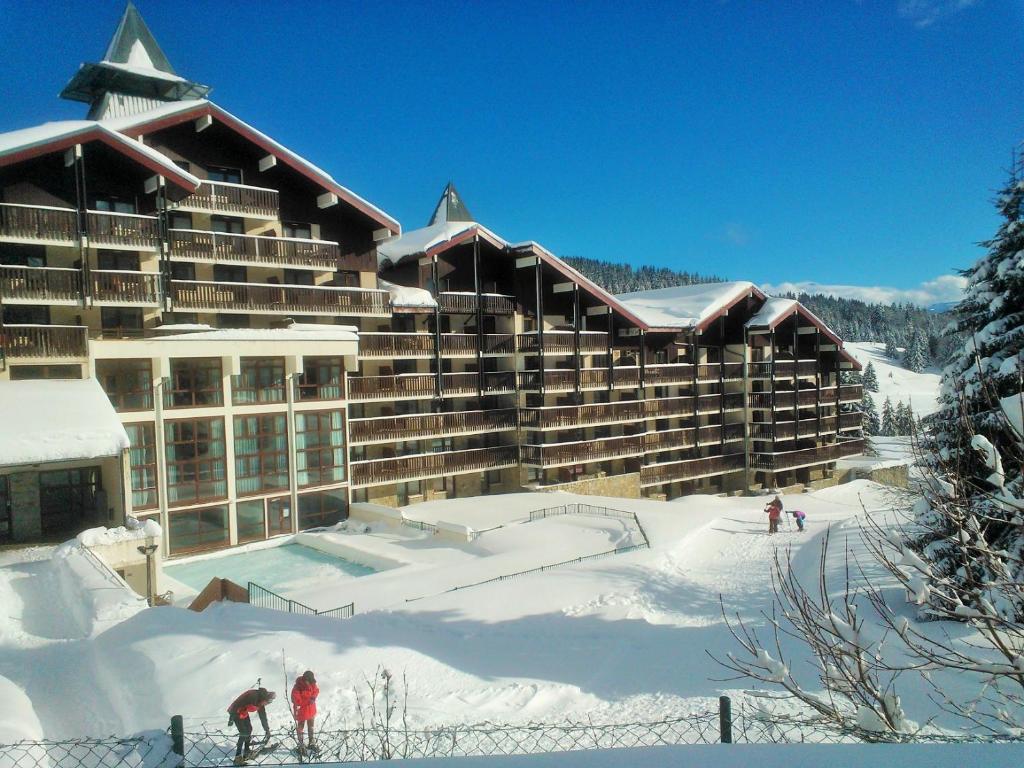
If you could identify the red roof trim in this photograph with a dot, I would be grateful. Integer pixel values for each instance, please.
(242, 129)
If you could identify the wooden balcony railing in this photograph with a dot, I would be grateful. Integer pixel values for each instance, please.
(421, 466)
(712, 433)
(458, 344)
(455, 302)
(581, 452)
(669, 406)
(239, 199)
(690, 469)
(851, 393)
(668, 373)
(783, 460)
(850, 421)
(38, 222)
(709, 403)
(554, 380)
(805, 398)
(670, 440)
(389, 345)
(427, 425)
(123, 287)
(781, 369)
(499, 344)
(43, 285)
(713, 371)
(425, 384)
(193, 295)
(126, 230)
(564, 342)
(44, 341)
(224, 247)
(572, 416)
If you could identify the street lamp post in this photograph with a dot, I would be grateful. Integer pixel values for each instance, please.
(148, 551)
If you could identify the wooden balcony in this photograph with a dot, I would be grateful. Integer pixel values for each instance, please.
(670, 440)
(387, 429)
(668, 373)
(455, 302)
(40, 285)
(256, 250)
(424, 385)
(41, 224)
(850, 421)
(805, 398)
(783, 460)
(788, 430)
(234, 199)
(564, 342)
(259, 298)
(690, 469)
(423, 466)
(597, 378)
(708, 372)
(711, 434)
(581, 452)
(782, 369)
(669, 406)
(122, 288)
(851, 393)
(574, 416)
(44, 342)
(392, 345)
(123, 231)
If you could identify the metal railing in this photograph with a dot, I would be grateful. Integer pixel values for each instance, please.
(262, 597)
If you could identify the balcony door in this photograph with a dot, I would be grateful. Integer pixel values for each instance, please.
(221, 173)
(123, 260)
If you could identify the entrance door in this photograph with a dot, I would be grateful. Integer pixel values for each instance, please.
(279, 515)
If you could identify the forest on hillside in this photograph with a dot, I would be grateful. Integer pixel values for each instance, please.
(918, 331)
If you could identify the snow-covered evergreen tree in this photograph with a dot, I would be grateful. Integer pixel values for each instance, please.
(891, 351)
(870, 378)
(871, 423)
(915, 359)
(888, 425)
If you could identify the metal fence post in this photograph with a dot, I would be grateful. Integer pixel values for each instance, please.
(178, 736)
(725, 719)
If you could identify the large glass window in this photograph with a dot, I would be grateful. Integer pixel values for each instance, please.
(118, 322)
(320, 447)
(128, 383)
(261, 381)
(279, 515)
(196, 466)
(261, 453)
(194, 529)
(70, 498)
(321, 378)
(323, 508)
(250, 521)
(142, 457)
(195, 382)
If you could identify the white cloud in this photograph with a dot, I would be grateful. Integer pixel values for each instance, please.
(924, 13)
(944, 288)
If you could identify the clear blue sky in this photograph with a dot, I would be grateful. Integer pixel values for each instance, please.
(837, 141)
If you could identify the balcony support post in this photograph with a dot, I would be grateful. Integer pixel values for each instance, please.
(642, 355)
(721, 383)
(746, 410)
(438, 374)
(479, 317)
(576, 320)
(771, 401)
(539, 297)
(695, 351)
(82, 216)
(796, 379)
(611, 363)
(163, 227)
(839, 365)
(817, 380)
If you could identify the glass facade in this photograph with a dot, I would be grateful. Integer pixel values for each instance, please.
(320, 447)
(261, 453)
(262, 381)
(321, 378)
(195, 383)
(250, 520)
(322, 508)
(196, 463)
(194, 529)
(142, 458)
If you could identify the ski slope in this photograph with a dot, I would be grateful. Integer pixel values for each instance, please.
(918, 390)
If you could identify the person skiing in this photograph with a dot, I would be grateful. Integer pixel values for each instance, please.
(774, 510)
(253, 700)
(304, 694)
(799, 516)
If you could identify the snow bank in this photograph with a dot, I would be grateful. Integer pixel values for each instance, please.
(406, 296)
(56, 420)
(96, 598)
(18, 719)
(98, 537)
(1012, 407)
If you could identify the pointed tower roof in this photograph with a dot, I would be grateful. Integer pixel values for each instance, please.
(133, 66)
(450, 208)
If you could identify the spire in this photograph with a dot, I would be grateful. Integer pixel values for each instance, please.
(134, 74)
(450, 208)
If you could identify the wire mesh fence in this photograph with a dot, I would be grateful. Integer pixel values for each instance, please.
(149, 751)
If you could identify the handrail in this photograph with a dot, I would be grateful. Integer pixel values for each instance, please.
(38, 207)
(41, 269)
(266, 598)
(256, 237)
(126, 215)
(282, 285)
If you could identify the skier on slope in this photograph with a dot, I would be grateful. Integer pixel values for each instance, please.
(774, 510)
(304, 694)
(253, 700)
(799, 516)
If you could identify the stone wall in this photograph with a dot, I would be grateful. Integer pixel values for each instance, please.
(622, 486)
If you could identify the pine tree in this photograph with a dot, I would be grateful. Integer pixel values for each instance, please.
(915, 357)
(888, 426)
(891, 350)
(870, 378)
(871, 423)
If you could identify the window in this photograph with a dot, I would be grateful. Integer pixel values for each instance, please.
(249, 519)
(22, 372)
(183, 270)
(121, 321)
(233, 321)
(261, 453)
(346, 279)
(320, 447)
(304, 231)
(321, 379)
(298, 277)
(220, 173)
(180, 220)
(229, 273)
(142, 457)
(324, 508)
(279, 515)
(70, 497)
(128, 383)
(127, 260)
(197, 529)
(196, 467)
(113, 204)
(195, 383)
(262, 381)
(229, 224)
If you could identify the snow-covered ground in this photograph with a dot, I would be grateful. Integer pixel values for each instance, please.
(618, 639)
(919, 390)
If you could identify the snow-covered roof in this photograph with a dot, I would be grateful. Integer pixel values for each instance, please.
(772, 311)
(431, 238)
(15, 142)
(408, 297)
(684, 306)
(57, 420)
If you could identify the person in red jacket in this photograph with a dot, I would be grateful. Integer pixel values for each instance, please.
(253, 700)
(304, 694)
(774, 510)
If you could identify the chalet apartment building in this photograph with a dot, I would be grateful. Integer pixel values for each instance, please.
(275, 347)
